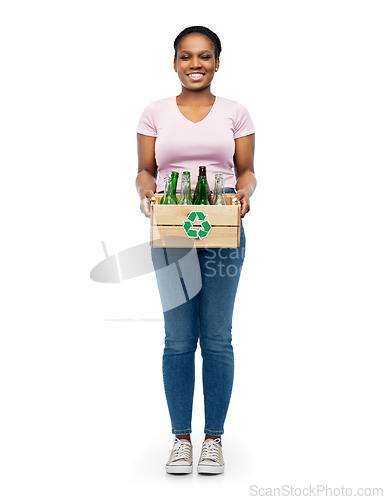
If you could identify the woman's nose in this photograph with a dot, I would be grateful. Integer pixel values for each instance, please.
(195, 62)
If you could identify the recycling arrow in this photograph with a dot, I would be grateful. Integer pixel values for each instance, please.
(205, 226)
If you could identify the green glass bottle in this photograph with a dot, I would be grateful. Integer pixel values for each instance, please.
(202, 173)
(196, 189)
(174, 179)
(196, 194)
(202, 195)
(168, 193)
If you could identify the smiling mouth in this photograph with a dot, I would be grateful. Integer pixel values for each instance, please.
(196, 76)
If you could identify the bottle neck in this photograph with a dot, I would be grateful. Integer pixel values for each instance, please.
(184, 189)
(202, 171)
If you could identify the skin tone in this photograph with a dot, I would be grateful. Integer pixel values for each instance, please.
(196, 65)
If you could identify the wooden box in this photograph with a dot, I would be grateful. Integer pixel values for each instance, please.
(202, 226)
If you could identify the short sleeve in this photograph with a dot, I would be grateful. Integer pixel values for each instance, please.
(243, 122)
(147, 122)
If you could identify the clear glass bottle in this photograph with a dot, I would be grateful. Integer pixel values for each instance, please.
(167, 180)
(185, 195)
(214, 196)
(188, 175)
(220, 194)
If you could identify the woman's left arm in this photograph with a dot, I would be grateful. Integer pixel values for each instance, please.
(246, 180)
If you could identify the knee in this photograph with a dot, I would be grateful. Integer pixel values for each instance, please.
(216, 344)
(179, 344)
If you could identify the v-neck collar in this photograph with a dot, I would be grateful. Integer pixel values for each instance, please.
(201, 121)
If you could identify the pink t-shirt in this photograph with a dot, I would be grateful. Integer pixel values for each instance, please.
(183, 145)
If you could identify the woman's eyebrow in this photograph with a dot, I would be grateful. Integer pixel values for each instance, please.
(201, 51)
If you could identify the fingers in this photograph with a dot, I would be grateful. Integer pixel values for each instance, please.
(243, 199)
(146, 202)
(244, 209)
(144, 207)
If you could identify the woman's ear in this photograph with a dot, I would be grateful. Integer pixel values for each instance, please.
(174, 65)
(217, 64)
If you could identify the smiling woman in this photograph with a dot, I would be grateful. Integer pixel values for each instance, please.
(196, 61)
(180, 134)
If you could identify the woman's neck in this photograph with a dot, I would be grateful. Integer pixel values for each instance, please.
(199, 98)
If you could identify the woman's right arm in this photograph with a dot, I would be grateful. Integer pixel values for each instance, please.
(147, 173)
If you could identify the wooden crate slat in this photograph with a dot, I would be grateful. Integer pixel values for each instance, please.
(219, 237)
(163, 215)
(228, 197)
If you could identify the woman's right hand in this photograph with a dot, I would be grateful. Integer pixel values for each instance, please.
(147, 174)
(145, 202)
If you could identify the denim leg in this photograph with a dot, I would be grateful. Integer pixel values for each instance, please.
(220, 271)
(181, 336)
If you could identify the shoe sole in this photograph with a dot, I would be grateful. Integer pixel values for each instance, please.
(210, 469)
(178, 469)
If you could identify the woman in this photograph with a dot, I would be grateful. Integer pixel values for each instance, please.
(182, 133)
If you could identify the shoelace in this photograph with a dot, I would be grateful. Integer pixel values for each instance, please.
(180, 450)
(210, 450)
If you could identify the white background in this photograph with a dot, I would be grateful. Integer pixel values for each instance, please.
(83, 408)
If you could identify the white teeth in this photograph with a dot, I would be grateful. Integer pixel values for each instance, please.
(195, 74)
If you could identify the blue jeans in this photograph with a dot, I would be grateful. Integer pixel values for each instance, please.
(207, 318)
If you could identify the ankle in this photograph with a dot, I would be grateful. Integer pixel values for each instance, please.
(208, 436)
(184, 436)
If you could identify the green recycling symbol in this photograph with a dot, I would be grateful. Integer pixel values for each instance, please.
(205, 227)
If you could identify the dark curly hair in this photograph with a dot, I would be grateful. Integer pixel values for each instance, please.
(214, 39)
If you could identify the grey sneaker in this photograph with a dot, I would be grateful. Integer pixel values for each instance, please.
(180, 461)
(211, 458)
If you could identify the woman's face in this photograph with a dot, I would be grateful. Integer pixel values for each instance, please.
(195, 62)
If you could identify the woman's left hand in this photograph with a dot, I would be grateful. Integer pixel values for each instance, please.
(243, 161)
(243, 198)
